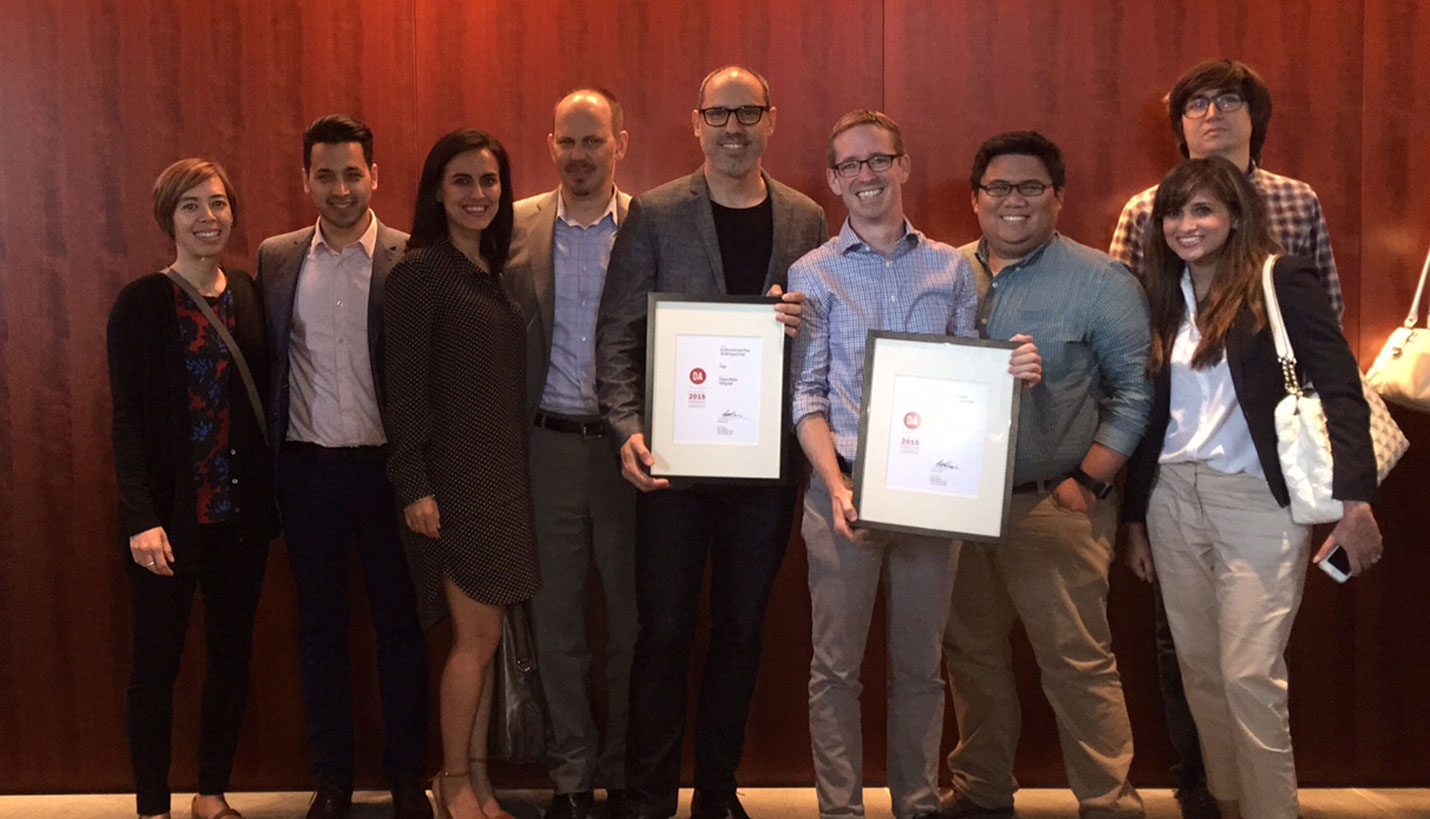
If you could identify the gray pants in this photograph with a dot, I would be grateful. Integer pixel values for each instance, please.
(585, 512)
(844, 579)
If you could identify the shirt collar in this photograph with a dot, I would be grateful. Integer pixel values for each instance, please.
(1189, 294)
(848, 241)
(612, 210)
(1031, 259)
(368, 240)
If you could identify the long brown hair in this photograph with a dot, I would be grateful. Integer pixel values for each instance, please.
(1237, 283)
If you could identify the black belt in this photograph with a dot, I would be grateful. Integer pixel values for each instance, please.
(311, 450)
(1041, 487)
(845, 465)
(555, 423)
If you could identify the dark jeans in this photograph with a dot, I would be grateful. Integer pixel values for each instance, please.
(230, 572)
(743, 532)
(332, 501)
(1188, 772)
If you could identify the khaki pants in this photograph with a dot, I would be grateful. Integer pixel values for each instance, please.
(1051, 574)
(844, 579)
(1232, 566)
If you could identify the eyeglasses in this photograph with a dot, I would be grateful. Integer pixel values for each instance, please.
(878, 163)
(745, 115)
(998, 189)
(1197, 106)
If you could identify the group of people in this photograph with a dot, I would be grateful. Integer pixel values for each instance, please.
(462, 409)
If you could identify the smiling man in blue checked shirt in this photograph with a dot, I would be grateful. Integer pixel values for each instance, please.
(877, 274)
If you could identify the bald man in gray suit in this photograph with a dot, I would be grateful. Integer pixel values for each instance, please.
(585, 513)
(730, 229)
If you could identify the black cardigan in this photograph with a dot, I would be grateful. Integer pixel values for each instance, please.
(1321, 353)
(152, 462)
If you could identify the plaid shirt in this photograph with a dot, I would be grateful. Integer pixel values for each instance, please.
(924, 286)
(1296, 222)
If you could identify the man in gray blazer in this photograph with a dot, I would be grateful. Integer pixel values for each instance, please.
(322, 287)
(728, 228)
(585, 513)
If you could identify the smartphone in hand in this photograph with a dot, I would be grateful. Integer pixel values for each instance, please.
(1337, 564)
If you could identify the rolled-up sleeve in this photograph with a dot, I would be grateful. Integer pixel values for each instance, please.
(810, 358)
(1121, 339)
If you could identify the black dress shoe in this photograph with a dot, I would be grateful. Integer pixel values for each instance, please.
(1196, 802)
(570, 806)
(716, 806)
(409, 798)
(330, 802)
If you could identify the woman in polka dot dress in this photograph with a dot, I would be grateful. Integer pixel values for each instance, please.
(457, 430)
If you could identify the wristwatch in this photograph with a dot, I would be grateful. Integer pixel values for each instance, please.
(1100, 489)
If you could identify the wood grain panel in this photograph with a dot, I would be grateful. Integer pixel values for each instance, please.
(1390, 618)
(96, 96)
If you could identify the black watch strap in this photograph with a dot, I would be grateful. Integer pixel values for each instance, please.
(1099, 488)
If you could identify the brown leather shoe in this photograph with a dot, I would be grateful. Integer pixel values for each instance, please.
(953, 805)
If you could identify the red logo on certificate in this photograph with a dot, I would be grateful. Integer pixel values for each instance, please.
(697, 376)
(912, 420)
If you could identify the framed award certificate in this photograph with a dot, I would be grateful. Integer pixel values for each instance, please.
(716, 387)
(937, 429)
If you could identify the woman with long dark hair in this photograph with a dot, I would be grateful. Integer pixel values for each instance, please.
(457, 427)
(1206, 486)
(195, 482)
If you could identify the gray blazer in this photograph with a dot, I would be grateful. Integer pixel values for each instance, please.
(280, 260)
(530, 277)
(668, 244)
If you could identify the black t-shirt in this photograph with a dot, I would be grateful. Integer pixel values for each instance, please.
(747, 238)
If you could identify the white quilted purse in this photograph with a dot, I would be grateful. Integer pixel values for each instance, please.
(1401, 373)
(1302, 442)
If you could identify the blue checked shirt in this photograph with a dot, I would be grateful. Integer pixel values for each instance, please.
(579, 255)
(1089, 320)
(924, 286)
(1296, 222)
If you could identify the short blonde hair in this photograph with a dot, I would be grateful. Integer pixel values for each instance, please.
(181, 176)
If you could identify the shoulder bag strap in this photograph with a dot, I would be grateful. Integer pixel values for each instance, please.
(1278, 328)
(1414, 314)
(239, 361)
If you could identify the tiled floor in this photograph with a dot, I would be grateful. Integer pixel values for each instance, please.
(763, 803)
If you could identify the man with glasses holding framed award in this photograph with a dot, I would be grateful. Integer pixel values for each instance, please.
(727, 229)
(1219, 107)
(878, 273)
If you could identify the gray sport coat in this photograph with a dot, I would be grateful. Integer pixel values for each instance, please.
(280, 260)
(668, 244)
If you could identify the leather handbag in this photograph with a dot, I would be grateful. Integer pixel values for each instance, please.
(518, 727)
(1303, 444)
(1401, 373)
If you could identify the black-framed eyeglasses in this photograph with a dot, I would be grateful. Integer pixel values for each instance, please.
(744, 114)
(878, 163)
(999, 188)
(1197, 106)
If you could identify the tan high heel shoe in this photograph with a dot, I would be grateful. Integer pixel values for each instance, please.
(440, 789)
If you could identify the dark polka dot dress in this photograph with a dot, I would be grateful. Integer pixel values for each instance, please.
(457, 427)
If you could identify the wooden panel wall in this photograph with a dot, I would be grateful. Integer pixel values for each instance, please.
(96, 96)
